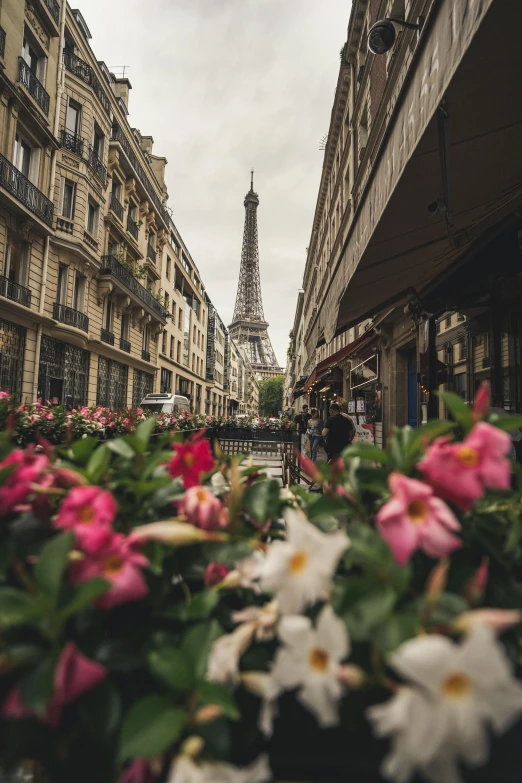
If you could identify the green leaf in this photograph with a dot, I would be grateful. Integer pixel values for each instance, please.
(227, 553)
(99, 462)
(151, 725)
(220, 695)
(52, 564)
(368, 452)
(18, 607)
(82, 449)
(458, 408)
(366, 605)
(173, 667)
(197, 643)
(121, 447)
(202, 604)
(262, 500)
(145, 429)
(397, 629)
(36, 687)
(508, 423)
(85, 595)
(326, 507)
(448, 606)
(100, 710)
(7, 554)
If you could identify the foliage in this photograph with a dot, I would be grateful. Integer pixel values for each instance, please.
(271, 395)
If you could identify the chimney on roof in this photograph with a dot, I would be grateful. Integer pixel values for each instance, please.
(121, 89)
(147, 144)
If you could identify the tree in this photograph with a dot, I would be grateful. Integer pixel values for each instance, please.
(271, 395)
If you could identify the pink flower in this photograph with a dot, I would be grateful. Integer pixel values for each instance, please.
(203, 509)
(29, 469)
(415, 519)
(118, 561)
(191, 460)
(74, 674)
(215, 573)
(138, 771)
(89, 511)
(4, 395)
(461, 472)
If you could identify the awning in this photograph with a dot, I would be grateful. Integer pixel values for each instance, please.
(393, 243)
(335, 358)
(298, 390)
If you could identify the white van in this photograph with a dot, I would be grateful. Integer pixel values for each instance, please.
(165, 403)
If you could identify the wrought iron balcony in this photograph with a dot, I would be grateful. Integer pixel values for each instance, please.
(23, 189)
(54, 9)
(151, 253)
(145, 355)
(125, 345)
(107, 337)
(83, 71)
(110, 265)
(15, 292)
(132, 228)
(118, 136)
(97, 166)
(72, 142)
(116, 207)
(33, 86)
(2, 42)
(71, 317)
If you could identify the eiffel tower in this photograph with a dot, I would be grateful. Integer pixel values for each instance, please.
(248, 329)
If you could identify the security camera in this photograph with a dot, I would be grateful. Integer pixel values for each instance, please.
(383, 34)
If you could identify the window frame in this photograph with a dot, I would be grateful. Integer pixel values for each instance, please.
(65, 183)
(96, 214)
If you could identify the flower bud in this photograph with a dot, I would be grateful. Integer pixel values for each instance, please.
(498, 620)
(215, 573)
(482, 401)
(477, 584)
(192, 746)
(174, 533)
(351, 676)
(437, 580)
(254, 682)
(208, 713)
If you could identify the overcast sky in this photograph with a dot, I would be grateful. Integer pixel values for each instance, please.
(224, 85)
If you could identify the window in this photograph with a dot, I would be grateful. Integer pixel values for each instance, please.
(152, 239)
(165, 381)
(146, 338)
(16, 265)
(68, 199)
(193, 362)
(173, 310)
(172, 341)
(107, 314)
(194, 335)
(448, 321)
(79, 293)
(178, 352)
(61, 290)
(112, 384)
(164, 343)
(26, 157)
(116, 189)
(174, 244)
(167, 302)
(167, 268)
(133, 212)
(73, 118)
(125, 327)
(437, 327)
(33, 59)
(98, 141)
(92, 218)
(180, 319)
(463, 351)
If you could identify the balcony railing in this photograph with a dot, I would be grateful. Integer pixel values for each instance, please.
(118, 135)
(2, 42)
(116, 207)
(19, 186)
(15, 292)
(33, 86)
(145, 355)
(111, 265)
(72, 142)
(125, 345)
(151, 253)
(107, 337)
(97, 166)
(132, 228)
(54, 9)
(71, 317)
(83, 71)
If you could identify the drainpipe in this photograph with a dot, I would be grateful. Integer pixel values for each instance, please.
(59, 91)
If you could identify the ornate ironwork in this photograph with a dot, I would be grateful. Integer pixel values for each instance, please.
(71, 317)
(107, 337)
(63, 374)
(12, 345)
(211, 342)
(248, 326)
(72, 142)
(24, 190)
(15, 291)
(142, 384)
(97, 166)
(54, 9)
(83, 71)
(145, 355)
(125, 345)
(111, 265)
(111, 390)
(2, 42)
(33, 86)
(132, 228)
(116, 207)
(151, 253)
(118, 136)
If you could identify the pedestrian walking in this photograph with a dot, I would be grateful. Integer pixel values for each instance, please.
(339, 431)
(315, 429)
(302, 422)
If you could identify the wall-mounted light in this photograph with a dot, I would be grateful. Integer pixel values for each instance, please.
(383, 34)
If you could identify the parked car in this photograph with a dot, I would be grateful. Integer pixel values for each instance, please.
(165, 403)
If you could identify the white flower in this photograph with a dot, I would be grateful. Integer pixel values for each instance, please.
(185, 770)
(308, 660)
(223, 661)
(455, 693)
(299, 570)
(265, 619)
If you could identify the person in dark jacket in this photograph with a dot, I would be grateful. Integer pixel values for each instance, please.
(338, 432)
(302, 421)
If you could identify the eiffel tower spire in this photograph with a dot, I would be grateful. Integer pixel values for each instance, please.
(249, 328)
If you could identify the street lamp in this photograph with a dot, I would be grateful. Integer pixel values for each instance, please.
(383, 34)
